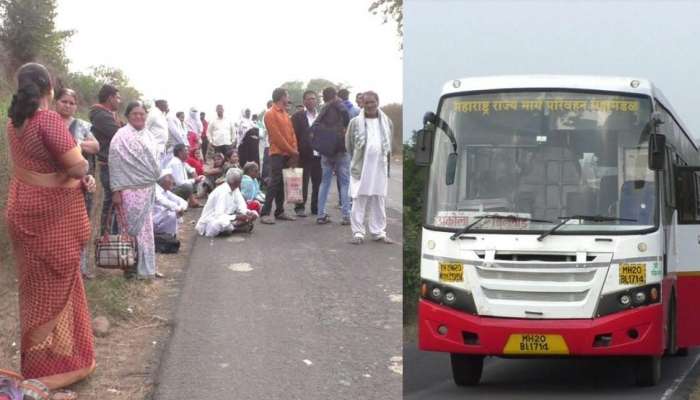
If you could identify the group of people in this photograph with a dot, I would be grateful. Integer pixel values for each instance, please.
(153, 167)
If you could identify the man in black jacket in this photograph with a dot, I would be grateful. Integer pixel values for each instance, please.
(105, 124)
(309, 158)
(333, 119)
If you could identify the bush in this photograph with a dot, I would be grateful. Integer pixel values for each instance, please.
(412, 225)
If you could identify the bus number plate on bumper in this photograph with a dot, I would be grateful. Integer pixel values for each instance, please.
(451, 272)
(633, 274)
(535, 343)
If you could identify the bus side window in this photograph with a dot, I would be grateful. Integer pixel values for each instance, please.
(696, 175)
(688, 187)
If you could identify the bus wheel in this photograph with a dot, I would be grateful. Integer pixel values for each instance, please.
(466, 369)
(648, 371)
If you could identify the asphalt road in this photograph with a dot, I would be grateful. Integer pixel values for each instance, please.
(427, 375)
(292, 311)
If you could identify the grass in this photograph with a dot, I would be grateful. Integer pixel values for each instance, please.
(113, 296)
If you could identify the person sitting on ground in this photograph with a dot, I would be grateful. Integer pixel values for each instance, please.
(195, 160)
(168, 208)
(184, 185)
(214, 175)
(226, 210)
(250, 187)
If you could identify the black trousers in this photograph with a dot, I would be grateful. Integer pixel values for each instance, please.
(205, 146)
(275, 192)
(105, 225)
(312, 172)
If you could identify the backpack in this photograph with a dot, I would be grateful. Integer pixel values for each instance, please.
(166, 243)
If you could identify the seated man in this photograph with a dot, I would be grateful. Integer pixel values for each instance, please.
(168, 208)
(250, 187)
(181, 171)
(226, 209)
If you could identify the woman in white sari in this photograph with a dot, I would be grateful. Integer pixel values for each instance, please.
(133, 172)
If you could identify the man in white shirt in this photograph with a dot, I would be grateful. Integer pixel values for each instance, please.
(168, 208)
(181, 171)
(226, 209)
(157, 124)
(221, 133)
(176, 135)
(368, 141)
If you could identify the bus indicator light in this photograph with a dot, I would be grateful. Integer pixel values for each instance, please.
(450, 297)
(640, 297)
(437, 293)
(654, 294)
(634, 83)
(642, 247)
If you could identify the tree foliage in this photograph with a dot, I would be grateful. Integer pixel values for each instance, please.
(27, 33)
(413, 188)
(87, 85)
(395, 112)
(390, 9)
(296, 89)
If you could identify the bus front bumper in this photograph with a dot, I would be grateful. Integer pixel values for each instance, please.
(446, 330)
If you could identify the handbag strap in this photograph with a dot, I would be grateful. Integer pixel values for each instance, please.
(121, 221)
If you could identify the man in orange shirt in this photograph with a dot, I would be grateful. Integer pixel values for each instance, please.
(283, 153)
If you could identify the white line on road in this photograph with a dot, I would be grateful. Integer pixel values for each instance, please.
(669, 392)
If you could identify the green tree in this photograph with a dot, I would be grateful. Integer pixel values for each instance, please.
(88, 85)
(390, 9)
(295, 90)
(395, 112)
(412, 224)
(28, 33)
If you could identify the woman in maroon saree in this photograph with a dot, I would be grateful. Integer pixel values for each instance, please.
(48, 227)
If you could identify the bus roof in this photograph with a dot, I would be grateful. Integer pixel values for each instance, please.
(619, 84)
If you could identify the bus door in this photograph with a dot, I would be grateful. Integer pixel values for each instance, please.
(687, 249)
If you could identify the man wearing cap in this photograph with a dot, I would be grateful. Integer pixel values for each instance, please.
(169, 207)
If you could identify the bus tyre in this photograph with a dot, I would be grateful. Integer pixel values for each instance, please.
(648, 371)
(466, 369)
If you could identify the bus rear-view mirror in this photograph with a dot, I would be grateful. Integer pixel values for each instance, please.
(657, 152)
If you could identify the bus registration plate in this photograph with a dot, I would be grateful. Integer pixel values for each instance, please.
(451, 272)
(535, 343)
(633, 274)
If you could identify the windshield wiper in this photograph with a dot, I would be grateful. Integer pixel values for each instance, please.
(494, 216)
(594, 218)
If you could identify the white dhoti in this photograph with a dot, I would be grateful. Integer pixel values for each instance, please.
(216, 226)
(374, 208)
(369, 192)
(165, 222)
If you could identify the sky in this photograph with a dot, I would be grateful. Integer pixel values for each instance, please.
(450, 39)
(233, 53)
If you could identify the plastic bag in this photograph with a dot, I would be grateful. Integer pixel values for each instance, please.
(293, 178)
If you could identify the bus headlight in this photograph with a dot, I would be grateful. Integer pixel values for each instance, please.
(448, 296)
(628, 299)
(625, 300)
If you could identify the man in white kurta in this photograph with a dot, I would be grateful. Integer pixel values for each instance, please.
(157, 124)
(368, 141)
(168, 207)
(226, 209)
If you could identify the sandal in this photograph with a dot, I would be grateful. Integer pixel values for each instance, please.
(9, 385)
(64, 394)
(32, 389)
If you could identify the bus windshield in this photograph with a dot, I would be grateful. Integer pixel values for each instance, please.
(544, 155)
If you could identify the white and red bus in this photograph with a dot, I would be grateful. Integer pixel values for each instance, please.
(562, 218)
